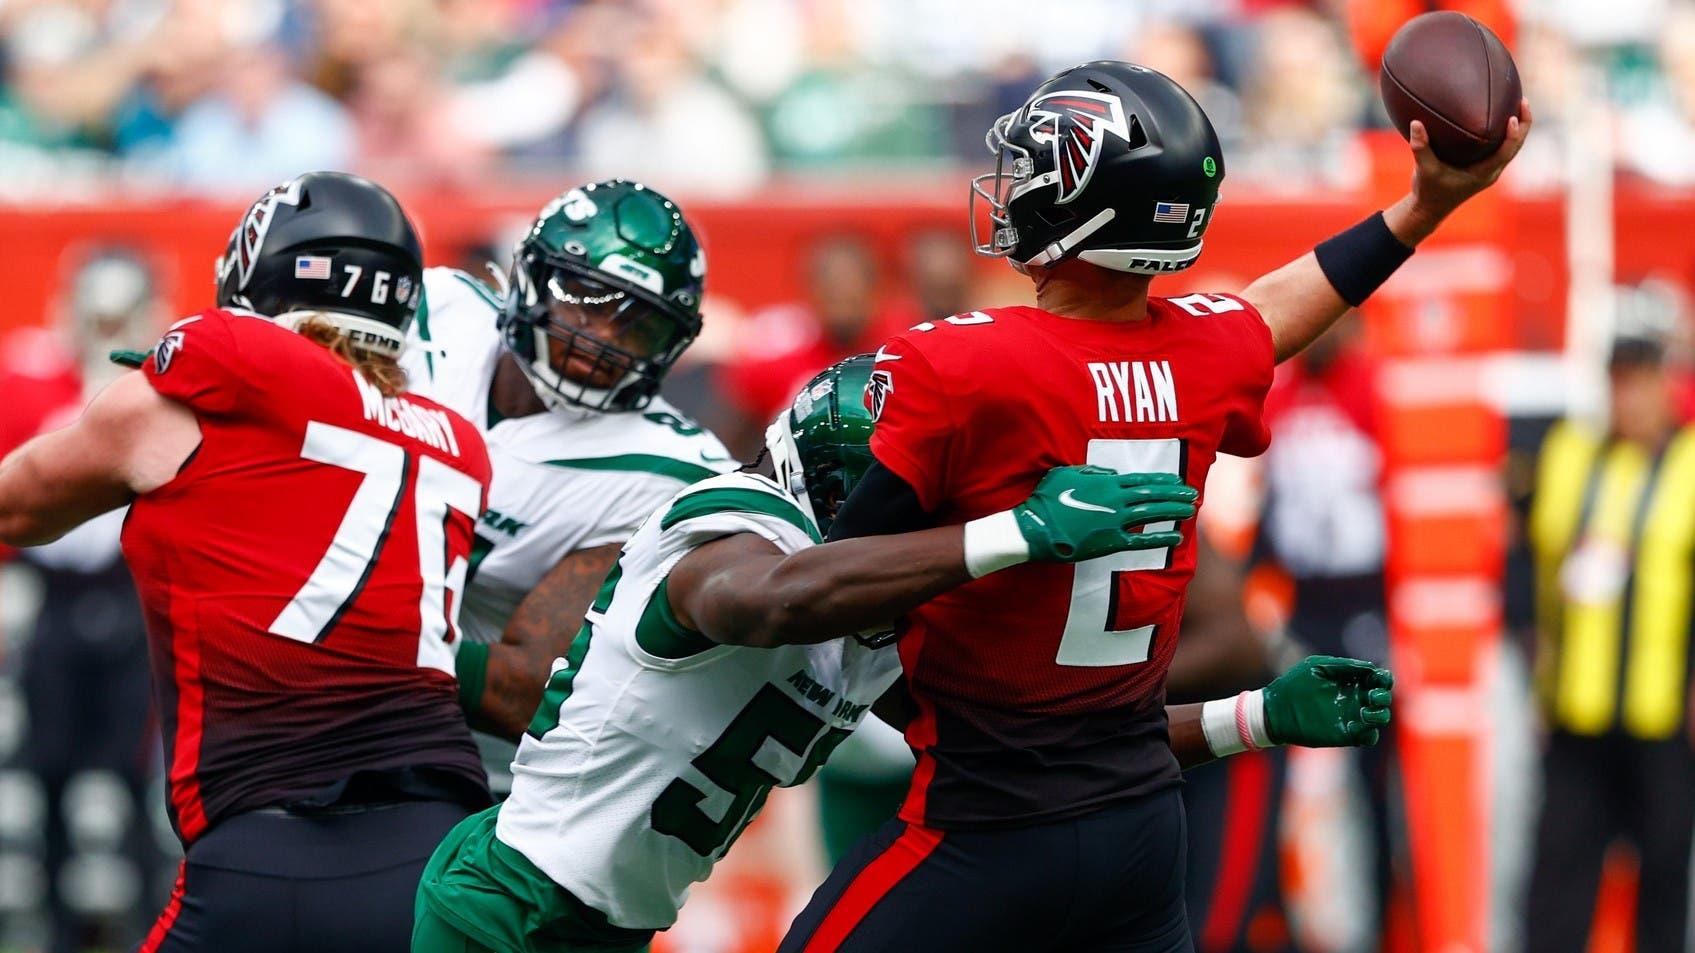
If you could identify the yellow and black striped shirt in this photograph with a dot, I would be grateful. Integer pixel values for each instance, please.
(1612, 530)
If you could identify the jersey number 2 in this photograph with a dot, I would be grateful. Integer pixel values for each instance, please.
(345, 567)
(1088, 640)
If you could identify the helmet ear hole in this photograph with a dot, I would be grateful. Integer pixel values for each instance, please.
(1138, 135)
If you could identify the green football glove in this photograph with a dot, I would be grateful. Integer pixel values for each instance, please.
(1078, 513)
(1328, 702)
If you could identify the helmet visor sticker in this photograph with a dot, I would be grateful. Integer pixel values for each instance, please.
(609, 315)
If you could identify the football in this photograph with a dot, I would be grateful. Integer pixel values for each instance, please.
(1453, 74)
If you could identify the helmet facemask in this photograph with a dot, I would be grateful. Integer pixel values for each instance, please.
(820, 446)
(786, 463)
(587, 341)
(997, 189)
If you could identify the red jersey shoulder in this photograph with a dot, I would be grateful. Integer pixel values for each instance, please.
(198, 362)
(1222, 320)
(229, 364)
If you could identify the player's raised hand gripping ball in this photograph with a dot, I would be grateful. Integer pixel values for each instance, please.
(1328, 702)
(1456, 78)
(1079, 513)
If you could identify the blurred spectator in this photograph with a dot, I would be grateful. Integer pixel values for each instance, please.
(401, 131)
(785, 345)
(1612, 531)
(875, 114)
(1303, 102)
(260, 124)
(1179, 51)
(665, 122)
(1657, 135)
(84, 678)
(939, 272)
(525, 102)
(712, 97)
(348, 34)
(1323, 526)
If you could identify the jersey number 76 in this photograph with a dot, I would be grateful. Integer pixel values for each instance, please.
(352, 555)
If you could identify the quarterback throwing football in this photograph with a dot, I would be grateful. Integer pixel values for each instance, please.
(1043, 813)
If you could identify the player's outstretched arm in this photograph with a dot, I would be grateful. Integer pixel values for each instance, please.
(514, 670)
(1305, 297)
(1323, 702)
(129, 440)
(741, 590)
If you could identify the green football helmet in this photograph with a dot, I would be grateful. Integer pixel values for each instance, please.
(603, 296)
(821, 446)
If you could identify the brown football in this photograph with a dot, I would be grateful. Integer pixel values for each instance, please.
(1451, 73)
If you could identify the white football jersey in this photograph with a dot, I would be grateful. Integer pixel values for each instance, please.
(653, 747)
(564, 480)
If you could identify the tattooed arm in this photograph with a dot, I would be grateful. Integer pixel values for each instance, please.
(540, 631)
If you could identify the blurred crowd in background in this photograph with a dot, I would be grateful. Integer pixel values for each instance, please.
(163, 93)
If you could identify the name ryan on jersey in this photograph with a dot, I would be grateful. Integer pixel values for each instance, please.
(1134, 392)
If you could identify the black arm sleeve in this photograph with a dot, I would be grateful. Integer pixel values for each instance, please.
(881, 504)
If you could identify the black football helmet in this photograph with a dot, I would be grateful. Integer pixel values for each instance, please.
(1109, 162)
(331, 245)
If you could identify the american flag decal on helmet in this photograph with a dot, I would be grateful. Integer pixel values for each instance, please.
(1076, 122)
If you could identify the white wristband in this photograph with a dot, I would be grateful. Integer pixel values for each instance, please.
(1233, 725)
(994, 542)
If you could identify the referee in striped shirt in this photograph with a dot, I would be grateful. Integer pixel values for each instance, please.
(1612, 532)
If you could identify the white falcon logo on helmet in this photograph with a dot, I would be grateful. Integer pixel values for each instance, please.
(1076, 122)
(250, 234)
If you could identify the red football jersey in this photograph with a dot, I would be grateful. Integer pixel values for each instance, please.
(1041, 688)
(301, 574)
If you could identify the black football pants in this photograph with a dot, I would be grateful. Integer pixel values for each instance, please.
(1596, 790)
(272, 882)
(1107, 882)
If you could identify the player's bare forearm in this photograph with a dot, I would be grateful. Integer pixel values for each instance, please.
(1188, 738)
(1217, 650)
(130, 440)
(540, 630)
(741, 590)
(1300, 303)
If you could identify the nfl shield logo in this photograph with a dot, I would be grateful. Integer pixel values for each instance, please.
(877, 391)
(403, 289)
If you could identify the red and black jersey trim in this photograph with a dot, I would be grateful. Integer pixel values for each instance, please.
(981, 768)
